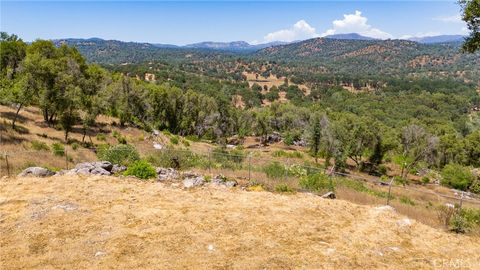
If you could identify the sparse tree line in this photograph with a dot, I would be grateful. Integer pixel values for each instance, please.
(415, 129)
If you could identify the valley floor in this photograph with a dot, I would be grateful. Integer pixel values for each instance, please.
(121, 223)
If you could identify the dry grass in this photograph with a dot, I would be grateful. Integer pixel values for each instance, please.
(62, 222)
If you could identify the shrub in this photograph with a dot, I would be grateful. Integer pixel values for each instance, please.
(382, 169)
(297, 171)
(317, 182)
(170, 158)
(174, 140)
(58, 149)
(101, 137)
(457, 176)
(425, 180)
(75, 146)
(228, 159)
(37, 145)
(275, 170)
(185, 143)
(475, 187)
(193, 138)
(283, 188)
(141, 169)
(122, 154)
(281, 153)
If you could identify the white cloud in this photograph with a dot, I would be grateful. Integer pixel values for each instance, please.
(355, 23)
(449, 19)
(300, 30)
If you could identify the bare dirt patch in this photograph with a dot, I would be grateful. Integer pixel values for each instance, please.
(107, 222)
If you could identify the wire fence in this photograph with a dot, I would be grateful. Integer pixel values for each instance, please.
(251, 169)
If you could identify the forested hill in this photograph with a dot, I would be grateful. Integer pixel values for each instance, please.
(320, 56)
(118, 52)
(371, 57)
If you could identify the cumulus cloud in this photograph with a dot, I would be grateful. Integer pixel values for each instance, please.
(300, 30)
(355, 23)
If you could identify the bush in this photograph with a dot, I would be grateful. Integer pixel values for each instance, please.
(101, 137)
(317, 182)
(275, 170)
(58, 149)
(37, 145)
(283, 188)
(425, 180)
(75, 146)
(141, 169)
(174, 140)
(475, 187)
(122, 154)
(184, 159)
(281, 153)
(457, 176)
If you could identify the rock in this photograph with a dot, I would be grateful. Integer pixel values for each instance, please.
(166, 173)
(301, 142)
(272, 138)
(221, 180)
(193, 181)
(83, 171)
(99, 171)
(84, 166)
(36, 171)
(106, 165)
(156, 132)
(118, 168)
(404, 222)
(157, 146)
(329, 195)
(100, 253)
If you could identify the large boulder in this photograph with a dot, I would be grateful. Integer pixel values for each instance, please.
(106, 165)
(99, 171)
(36, 172)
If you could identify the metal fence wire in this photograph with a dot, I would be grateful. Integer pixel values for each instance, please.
(248, 168)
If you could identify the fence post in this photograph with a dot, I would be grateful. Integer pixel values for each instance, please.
(210, 161)
(249, 167)
(66, 157)
(389, 191)
(286, 170)
(461, 201)
(8, 165)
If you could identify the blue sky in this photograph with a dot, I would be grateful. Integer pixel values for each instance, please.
(185, 22)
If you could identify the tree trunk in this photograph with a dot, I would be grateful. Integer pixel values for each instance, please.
(16, 115)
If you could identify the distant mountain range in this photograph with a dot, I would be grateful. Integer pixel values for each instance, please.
(233, 46)
(350, 36)
(247, 47)
(438, 39)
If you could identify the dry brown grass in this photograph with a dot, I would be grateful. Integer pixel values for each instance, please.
(63, 222)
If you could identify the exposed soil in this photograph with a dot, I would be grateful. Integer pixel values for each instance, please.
(122, 223)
